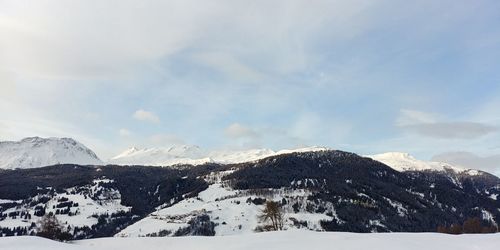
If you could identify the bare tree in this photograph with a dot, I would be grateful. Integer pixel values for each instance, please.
(443, 230)
(472, 226)
(272, 214)
(456, 229)
(51, 228)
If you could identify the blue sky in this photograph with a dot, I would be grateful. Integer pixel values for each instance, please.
(365, 76)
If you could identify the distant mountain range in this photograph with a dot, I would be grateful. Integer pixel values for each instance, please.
(35, 152)
(194, 155)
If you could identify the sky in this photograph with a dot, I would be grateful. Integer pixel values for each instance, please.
(364, 76)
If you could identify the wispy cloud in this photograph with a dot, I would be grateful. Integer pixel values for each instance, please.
(143, 115)
(408, 117)
(452, 130)
(427, 124)
(238, 131)
(164, 140)
(228, 65)
(124, 132)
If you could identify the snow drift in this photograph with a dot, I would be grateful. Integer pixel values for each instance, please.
(285, 240)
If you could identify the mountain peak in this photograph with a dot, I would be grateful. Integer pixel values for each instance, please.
(32, 152)
(31, 139)
(401, 162)
(396, 155)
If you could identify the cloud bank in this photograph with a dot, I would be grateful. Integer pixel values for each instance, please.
(426, 124)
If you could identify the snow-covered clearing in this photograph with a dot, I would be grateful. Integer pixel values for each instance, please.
(286, 240)
(228, 208)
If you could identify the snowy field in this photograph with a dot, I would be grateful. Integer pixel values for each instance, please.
(287, 240)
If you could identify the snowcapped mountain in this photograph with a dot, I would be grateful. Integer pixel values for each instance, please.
(194, 155)
(184, 154)
(33, 152)
(405, 162)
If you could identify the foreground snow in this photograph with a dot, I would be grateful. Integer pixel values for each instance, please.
(288, 240)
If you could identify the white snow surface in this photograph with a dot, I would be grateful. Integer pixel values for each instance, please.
(405, 162)
(284, 240)
(33, 152)
(194, 155)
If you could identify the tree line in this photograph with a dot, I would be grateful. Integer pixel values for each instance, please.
(470, 226)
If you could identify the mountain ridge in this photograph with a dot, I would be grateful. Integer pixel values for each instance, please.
(32, 152)
(194, 155)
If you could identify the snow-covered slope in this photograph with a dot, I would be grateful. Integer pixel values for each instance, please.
(35, 152)
(160, 156)
(285, 240)
(195, 156)
(231, 210)
(405, 162)
(79, 206)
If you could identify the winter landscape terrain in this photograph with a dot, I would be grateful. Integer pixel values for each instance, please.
(249, 125)
(183, 191)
